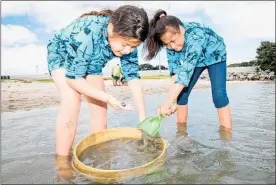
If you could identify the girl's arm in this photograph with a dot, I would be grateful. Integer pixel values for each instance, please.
(130, 68)
(194, 46)
(138, 97)
(78, 59)
(83, 87)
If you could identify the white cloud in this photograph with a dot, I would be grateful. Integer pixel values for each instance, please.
(13, 34)
(22, 60)
(15, 8)
(236, 21)
(56, 14)
(243, 19)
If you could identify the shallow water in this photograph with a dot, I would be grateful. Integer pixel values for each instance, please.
(120, 154)
(198, 153)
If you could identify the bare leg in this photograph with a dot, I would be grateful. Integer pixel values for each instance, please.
(217, 73)
(66, 124)
(181, 129)
(182, 100)
(182, 114)
(224, 115)
(64, 167)
(114, 81)
(224, 133)
(98, 108)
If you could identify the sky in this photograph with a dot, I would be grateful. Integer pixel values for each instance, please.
(26, 27)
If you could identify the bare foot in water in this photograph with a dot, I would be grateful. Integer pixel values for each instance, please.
(65, 170)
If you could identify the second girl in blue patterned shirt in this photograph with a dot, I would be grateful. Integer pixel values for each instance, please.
(191, 48)
(76, 57)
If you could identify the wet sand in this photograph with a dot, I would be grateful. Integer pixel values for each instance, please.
(16, 95)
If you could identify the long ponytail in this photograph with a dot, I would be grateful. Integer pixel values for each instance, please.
(157, 27)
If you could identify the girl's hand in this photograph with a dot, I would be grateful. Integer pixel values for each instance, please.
(166, 109)
(118, 105)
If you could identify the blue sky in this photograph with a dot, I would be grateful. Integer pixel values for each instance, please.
(27, 26)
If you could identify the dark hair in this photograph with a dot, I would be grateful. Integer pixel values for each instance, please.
(158, 26)
(128, 21)
(106, 12)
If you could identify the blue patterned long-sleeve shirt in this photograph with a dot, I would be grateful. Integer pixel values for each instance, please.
(202, 47)
(85, 49)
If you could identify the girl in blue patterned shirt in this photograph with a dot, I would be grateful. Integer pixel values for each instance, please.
(191, 48)
(76, 57)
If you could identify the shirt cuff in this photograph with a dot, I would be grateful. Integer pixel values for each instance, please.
(184, 82)
(69, 76)
(132, 77)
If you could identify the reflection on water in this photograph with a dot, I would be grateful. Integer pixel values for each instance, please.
(198, 152)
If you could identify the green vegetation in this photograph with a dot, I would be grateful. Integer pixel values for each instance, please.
(44, 80)
(16, 80)
(244, 64)
(155, 77)
(266, 56)
(265, 59)
(146, 77)
(147, 66)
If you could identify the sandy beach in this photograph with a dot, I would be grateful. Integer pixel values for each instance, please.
(16, 95)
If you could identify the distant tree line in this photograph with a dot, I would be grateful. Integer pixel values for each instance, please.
(146, 67)
(265, 59)
(244, 64)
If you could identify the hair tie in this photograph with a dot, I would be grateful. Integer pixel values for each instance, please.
(162, 15)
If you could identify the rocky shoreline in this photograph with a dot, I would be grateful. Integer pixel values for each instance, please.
(245, 76)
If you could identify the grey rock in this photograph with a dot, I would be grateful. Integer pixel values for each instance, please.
(251, 76)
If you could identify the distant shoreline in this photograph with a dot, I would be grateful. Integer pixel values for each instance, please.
(19, 95)
(142, 73)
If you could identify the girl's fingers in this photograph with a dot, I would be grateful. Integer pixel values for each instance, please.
(163, 110)
(167, 110)
(170, 110)
(158, 111)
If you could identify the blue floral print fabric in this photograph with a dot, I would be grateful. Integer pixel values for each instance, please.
(82, 48)
(202, 47)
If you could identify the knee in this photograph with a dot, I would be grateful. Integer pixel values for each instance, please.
(220, 98)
